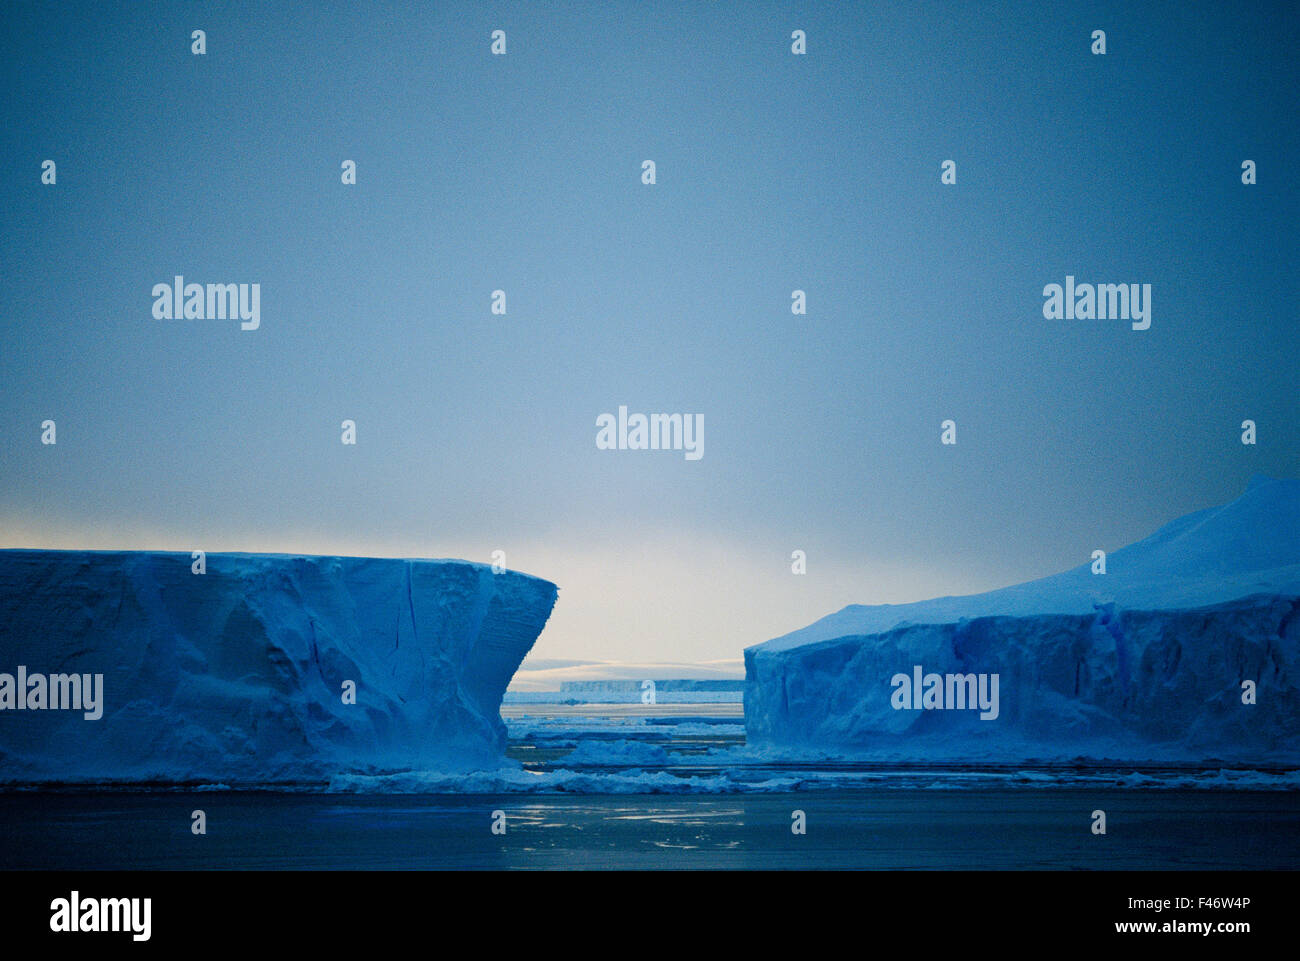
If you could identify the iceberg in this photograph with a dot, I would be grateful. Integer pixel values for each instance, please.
(1186, 650)
(263, 669)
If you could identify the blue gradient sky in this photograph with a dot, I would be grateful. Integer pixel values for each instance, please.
(522, 172)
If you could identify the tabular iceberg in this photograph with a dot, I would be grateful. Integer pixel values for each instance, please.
(1145, 662)
(238, 674)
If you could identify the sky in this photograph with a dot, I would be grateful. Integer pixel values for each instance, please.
(775, 172)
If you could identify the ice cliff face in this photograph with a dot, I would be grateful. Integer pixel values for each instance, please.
(238, 674)
(1144, 662)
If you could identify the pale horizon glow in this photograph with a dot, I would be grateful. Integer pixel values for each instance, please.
(604, 613)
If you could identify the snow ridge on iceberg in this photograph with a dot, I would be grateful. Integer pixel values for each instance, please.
(1144, 662)
(237, 674)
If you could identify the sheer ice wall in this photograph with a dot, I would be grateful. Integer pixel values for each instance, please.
(238, 674)
(1144, 662)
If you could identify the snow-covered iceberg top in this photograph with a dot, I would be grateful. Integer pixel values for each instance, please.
(263, 668)
(1146, 661)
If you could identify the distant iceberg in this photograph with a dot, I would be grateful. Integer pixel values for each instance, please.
(239, 674)
(1144, 662)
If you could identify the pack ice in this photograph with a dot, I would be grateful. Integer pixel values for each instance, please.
(239, 674)
(1145, 662)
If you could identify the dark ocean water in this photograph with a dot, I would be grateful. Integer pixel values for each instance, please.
(670, 786)
(870, 828)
